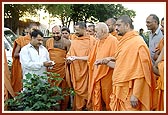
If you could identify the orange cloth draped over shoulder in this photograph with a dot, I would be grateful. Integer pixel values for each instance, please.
(79, 69)
(160, 81)
(73, 37)
(103, 48)
(160, 45)
(16, 71)
(132, 75)
(7, 80)
(115, 34)
(57, 55)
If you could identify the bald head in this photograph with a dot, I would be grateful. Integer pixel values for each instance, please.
(56, 27)
(111, 24)
(124, 25)
(127, 20)
(101, 30)
(103, 27)
(56, 32)
(112, 20)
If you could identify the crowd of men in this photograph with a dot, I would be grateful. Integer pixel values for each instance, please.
(109, 65)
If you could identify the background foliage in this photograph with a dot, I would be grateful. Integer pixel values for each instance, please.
(65, 12)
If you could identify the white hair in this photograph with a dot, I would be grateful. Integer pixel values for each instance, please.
(103, 27)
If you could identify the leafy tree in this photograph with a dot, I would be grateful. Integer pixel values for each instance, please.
(12, 13)
(65, 12)
(86, 12)
(61, 11)
(81, 12)
(111, 11)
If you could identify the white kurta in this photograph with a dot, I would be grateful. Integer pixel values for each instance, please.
(31, 61)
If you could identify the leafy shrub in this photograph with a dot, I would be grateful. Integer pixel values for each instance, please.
(38, 94)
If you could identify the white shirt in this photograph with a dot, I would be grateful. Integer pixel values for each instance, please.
(31, 61)
(153, 42)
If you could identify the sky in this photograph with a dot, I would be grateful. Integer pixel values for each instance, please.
(143, 10)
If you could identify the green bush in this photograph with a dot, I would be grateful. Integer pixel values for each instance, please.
(38, 94)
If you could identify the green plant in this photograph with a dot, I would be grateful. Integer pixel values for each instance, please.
(38, 94)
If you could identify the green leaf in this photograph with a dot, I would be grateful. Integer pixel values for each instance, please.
(38, 95)
(44, 97)
(28, 76)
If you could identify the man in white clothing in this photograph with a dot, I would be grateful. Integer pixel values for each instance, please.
(34, 57)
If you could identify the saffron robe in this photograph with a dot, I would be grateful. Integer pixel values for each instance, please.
(160, 80)
(79, 73)
(58, 56)
(100, 78)
(116, 35)
(73, 37)
(16, 71)
(7, 81)
(132, 75)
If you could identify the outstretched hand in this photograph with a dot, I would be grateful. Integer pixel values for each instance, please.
(70, 59)
(102, 61)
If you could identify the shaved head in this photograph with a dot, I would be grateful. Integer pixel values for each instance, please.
(111, 24)
(103, 27)
(56, 33)
(56, 27)
(101, 30)
(124, 25)
(112, 20)
(127, 20)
